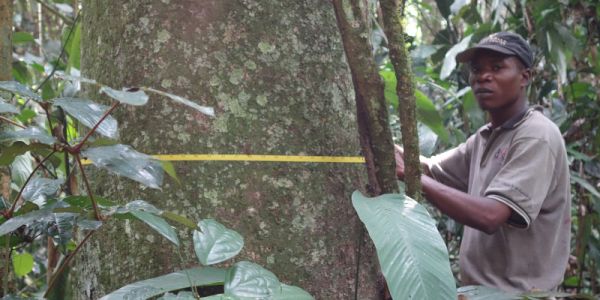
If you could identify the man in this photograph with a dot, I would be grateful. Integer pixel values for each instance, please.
(509, 182)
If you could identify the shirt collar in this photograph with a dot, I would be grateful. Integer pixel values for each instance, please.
(514, 121)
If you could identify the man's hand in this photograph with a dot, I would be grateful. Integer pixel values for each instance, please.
(399, 155)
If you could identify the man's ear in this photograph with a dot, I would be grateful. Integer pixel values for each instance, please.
(526, 76)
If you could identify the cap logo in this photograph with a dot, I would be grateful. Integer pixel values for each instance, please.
(497, 40)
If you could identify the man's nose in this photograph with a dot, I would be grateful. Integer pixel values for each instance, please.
(483, 75)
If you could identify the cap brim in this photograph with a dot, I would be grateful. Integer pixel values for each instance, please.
(467, 55)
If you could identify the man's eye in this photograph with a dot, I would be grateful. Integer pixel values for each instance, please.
(496, 67)
(474, 69)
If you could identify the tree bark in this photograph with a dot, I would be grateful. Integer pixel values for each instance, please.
(406, 95)
(375, 134)
(276, 74)
(6, 8)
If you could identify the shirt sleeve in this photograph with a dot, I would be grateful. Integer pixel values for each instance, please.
(452, 167)
(524, 180)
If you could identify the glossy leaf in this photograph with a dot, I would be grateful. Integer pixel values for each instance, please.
(246, 279)
(180, 296)
(62, 75)
(125, 161)
(21, 168)
(60, 227)
(19, 89)
(450, 58)
(215, 243)
(203, 109)
(27, 134)
(141, 205)
(411, 252)
(29, 218)
(22, 263)
(38, 189)
(171, 282)
(137, 97)
(89, 113)
(7, 107)
(158, 224)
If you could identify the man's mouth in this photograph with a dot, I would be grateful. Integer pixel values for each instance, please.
(483, 91)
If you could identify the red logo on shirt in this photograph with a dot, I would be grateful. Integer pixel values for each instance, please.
(501, 153)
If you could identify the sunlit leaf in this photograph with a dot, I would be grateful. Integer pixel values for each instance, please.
(7, 107)
(179, 296)
(203, 109)
(246, 279)
(171, 282)
(22, 263)
(21, 168)
(137, 97)
(158, 224)
(62, 75)
(89, 114)
(27, 134)
(215, 243)
(39, 188)
(450, 58)
(140, 205)
(412, 254)
(125, 161)
(19, 89)
(86, 224)
(75, 47)
(169, 169)
(60, 227)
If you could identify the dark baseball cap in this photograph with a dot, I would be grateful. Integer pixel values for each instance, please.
(504, 42)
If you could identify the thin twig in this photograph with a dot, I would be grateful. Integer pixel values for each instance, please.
(11, 122)
(66, 262)
(78, 147)
(14, 205)
(87, 186)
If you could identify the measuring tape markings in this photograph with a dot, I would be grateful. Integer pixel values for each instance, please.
(257, 157)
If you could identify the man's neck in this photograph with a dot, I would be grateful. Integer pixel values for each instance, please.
(500, 116)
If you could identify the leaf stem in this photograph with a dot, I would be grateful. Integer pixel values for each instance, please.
(78, 146)
(87, 186)
(66, 263)
(14, 205)
(11, 122)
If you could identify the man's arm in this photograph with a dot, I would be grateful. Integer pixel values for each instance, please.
(481, 213)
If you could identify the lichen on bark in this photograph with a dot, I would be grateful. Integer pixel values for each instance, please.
(276, 75)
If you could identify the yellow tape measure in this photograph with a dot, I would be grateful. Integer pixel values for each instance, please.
(254, 157)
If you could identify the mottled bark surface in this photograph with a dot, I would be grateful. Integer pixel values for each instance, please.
(406, 95)
(375, 134)
(6, 39)
(276, 74)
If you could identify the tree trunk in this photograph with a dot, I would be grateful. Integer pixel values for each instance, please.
(6, 39)
(276, 74)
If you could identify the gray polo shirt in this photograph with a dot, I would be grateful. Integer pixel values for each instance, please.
(522, 164)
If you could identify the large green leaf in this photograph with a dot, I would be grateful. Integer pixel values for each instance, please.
(22, 263)
(19, 89)
(29, 218)
(75, 47)
(171, 282)
(8, 153)
(215, 243)
(285, 292)
(412, 254)
(89, 113)
(7, 107)
(125, 161)
(249, 280)
(135, 97)
(428, 114)
(21, 37)
(450, 58)
(158, 224)
(27, 134)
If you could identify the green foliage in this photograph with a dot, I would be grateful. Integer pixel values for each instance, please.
(22, 263)
(411, 252)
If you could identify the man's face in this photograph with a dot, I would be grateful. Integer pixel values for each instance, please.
(497, 80)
